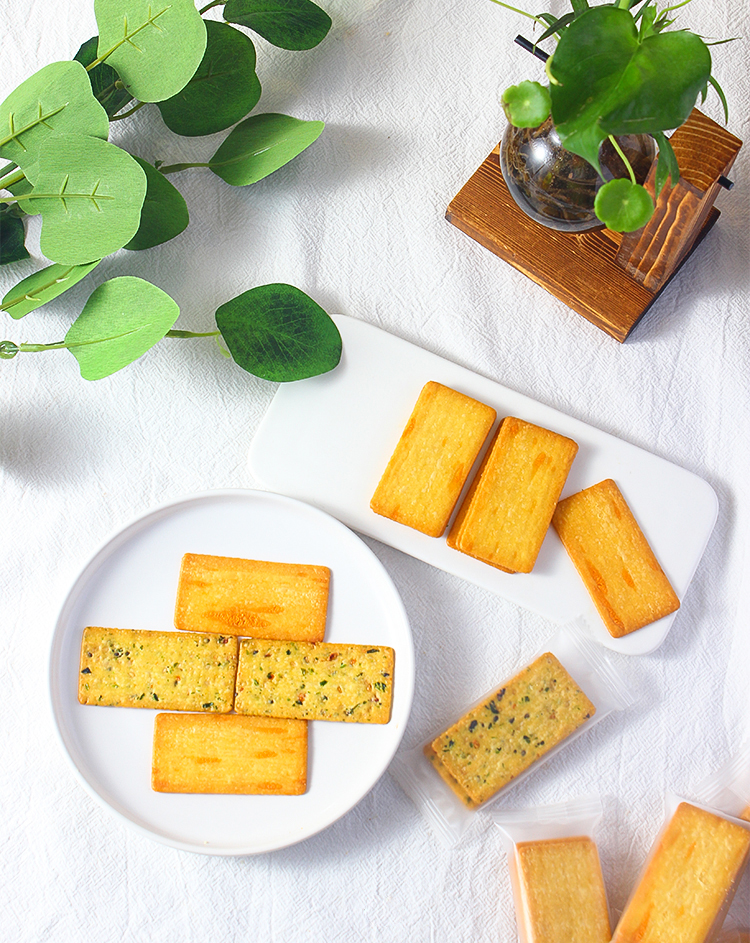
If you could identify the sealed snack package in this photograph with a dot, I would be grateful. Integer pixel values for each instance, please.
(555, 872)
(567, 687)
(728, 789)
(691, 874)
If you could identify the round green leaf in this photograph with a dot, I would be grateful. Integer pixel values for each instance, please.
(122, 319)
(279, 333)
(623, 206)
(260, 145)
(102, 78)
(12, 236)
(223, 90)
(56, 99)
(289, 24)
(526, 105)
(610, 80)
(164, 214)
(154, 45)
(37, 289)
(89, 194)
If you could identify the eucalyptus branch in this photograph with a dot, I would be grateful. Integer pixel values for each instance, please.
(127, 38)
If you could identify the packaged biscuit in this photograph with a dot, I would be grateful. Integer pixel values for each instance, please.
(689, 879)
(534, 711)
(555, 872)
(432, 460)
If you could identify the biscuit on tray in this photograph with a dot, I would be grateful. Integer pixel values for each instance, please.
(255, 598)
(512, 728)
(432, 460)
(315, 680)
(505, 516)
(613, 557)
(178, 671)
(229, 753)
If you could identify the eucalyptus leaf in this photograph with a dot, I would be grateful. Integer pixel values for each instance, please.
(289, 24)
(279, 333)
(12, 236)
(164, 214)
(223, 90)
(103, 79)
(623, 206)
(123, 318)
(260, 145)
(154, 45)
(607, 80)
(527, 104)
(89, 194)
(56, 99)
(37, 289)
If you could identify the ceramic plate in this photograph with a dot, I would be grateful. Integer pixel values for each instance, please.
(131, 582)
(327, 441)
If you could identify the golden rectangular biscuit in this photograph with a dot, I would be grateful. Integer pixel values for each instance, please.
(227, 753)
(315, 681)
(432, 459)
(562, 891)
(690, 877)
(511, 729)
(256, 598)
(614, 559)
(505, 516)
(745, 814)
(162, 670)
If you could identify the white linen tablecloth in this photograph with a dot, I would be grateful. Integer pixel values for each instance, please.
(409, 91)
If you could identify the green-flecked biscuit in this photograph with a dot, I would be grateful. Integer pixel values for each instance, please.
(315, 681)
(501, 737)
(181, 671)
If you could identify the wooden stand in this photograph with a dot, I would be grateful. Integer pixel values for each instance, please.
(610, 279)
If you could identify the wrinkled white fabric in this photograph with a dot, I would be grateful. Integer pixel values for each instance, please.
(409, 91)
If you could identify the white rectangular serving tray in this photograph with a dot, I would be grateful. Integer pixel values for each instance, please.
(327, 440)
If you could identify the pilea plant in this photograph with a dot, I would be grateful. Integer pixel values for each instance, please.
(95, 198)
(617, 69)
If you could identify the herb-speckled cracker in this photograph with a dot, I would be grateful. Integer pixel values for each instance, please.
(432, 459)
(501, 737)
(562, 891)
(315, 681)
(256, 598)
(506, 514)
(228, 753)
(614, 559)
(169, 670)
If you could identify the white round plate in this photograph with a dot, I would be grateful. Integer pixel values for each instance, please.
(131, 582)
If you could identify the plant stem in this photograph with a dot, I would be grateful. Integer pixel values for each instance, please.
(16, 177)
(127, 114)
(530, 16)
(623, 158)
(193, 333)
(175, 168)
(214, 3)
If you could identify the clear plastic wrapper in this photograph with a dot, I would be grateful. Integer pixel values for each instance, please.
(562, 691)
(687, 884)
(555, 873)
(728, 789)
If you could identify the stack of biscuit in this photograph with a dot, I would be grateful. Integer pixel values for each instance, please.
(246, 701)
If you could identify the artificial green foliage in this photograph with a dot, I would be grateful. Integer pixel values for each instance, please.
(104, 80)
(112, 330)
(55, 100)
(94, 198)
(37, 289)
(260, 145)
(289, 24)
(164, 213)
(277, 332)
(89, 194)
(155, 46)
(223, 90)
(619, 69)
(527, 105)
(12, 235)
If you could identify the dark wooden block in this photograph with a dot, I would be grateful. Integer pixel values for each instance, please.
(590, 272)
